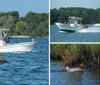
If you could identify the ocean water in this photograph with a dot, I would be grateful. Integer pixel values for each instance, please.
(59, 76)
(90, 35)
(28, 68)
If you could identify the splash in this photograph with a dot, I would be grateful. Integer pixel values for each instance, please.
(91, 29)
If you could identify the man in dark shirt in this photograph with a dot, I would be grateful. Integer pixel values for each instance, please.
(6, 38)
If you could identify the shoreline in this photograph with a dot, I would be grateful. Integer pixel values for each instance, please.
(23, 36)
(19, 36)
(85, 24)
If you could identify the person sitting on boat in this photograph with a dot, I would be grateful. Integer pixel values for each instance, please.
(6, 39)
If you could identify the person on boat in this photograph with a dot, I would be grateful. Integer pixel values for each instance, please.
(6, 39)
(82, 26)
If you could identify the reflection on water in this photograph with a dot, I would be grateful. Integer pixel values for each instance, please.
(61, 77)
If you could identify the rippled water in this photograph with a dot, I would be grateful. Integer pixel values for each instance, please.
(87, 36)
(61, 77)
(29, 68)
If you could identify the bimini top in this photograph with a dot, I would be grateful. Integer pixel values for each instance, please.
(78, 18)
(4, 29)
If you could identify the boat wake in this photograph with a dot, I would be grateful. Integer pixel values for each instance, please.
(63, 32)
(90, 29)
(35, 51)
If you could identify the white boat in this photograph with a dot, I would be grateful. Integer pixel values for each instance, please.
(18, 47)
(73, 25)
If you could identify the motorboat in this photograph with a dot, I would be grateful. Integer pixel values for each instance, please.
(73, 25)
(73, 69)
(18, 47)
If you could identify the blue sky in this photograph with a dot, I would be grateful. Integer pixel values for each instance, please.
(24, 6)
(75, 3)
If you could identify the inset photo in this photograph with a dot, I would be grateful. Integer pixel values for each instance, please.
(75, 21)
(75, 64)
(24, 46)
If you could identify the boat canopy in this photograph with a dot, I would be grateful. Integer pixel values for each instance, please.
(4, 29)
(76, 18)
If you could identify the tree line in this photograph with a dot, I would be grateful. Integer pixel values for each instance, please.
(33, 24)
(89, 16)
(76, 54)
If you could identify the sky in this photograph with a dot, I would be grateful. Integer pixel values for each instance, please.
(75, 3)
(24, 6)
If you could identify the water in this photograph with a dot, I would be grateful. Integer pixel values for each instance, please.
(29, 68)
(86, 36)
(61, 77)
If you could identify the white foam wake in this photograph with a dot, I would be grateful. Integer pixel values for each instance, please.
(91, 29)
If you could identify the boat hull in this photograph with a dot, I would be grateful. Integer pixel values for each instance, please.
(67, 28)
(20, 47)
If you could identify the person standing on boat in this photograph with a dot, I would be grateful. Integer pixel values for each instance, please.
(6, 39)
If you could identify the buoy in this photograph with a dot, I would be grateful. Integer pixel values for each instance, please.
(2, 60)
